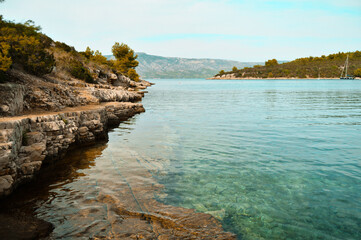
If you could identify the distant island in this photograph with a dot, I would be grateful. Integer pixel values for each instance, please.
(152, 66)
(329, 66)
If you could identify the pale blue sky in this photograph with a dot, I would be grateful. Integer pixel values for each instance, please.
(244, 30)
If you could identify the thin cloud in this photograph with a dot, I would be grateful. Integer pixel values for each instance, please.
(241, 30)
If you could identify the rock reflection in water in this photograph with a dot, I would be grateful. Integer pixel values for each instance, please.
(109, 192)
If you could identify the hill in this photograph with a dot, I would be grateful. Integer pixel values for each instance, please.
(152, 66)
(53, 99)
(40, 74)
(329, 66)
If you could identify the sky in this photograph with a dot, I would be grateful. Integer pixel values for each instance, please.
(242, 30)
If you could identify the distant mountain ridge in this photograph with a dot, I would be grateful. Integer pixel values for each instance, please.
(152, 66)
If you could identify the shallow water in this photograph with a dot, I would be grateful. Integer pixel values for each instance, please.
(271, 159)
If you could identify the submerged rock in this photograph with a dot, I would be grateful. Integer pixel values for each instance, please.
(15, 226)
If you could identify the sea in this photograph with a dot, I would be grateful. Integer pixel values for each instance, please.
(270, 159)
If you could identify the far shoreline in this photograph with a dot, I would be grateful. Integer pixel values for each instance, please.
(213, 78)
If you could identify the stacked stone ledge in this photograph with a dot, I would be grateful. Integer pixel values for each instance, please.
(26, 143)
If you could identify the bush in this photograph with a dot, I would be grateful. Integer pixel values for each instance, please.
(132, 74)
(99, 58)
(77, 70)
(272, 62)
(96, 56)
(25, 45)
(357, 72)
(64, 46)
(5, 60)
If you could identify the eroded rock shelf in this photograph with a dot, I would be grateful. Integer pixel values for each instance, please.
(26, 142)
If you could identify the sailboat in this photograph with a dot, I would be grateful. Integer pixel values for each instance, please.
(345, 67)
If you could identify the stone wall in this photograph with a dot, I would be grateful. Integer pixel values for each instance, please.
(27, 142)
(11, 99)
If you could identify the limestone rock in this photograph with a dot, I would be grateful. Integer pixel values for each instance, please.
(5, 184)
(23, 226)
(28, 142)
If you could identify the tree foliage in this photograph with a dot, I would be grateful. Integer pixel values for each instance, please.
(132, 74)
(357, 72)
(88, 53)
(310, 67)
(5, 60)
(78, 70)
(99, 58)
(65, 47)
(272, 62)
(234, 69)
(25, 45)
(125, 62)
(96, 56)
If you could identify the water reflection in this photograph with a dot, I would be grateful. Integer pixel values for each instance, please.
(109, 192)
(43, 189)
(270, 160)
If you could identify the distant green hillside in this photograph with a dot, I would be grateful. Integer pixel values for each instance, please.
(329, 66)
(151, 66)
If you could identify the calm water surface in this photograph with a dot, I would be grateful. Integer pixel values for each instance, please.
(274, 159)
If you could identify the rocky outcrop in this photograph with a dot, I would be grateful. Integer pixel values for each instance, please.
(12, 99)
(225, 76)
(115, 95)
(27, 142)
(23, 226)
(27, 93)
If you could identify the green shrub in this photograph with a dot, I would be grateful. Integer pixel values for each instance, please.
(25, 45)
(132, 74)
(77, 70)
(64, 46)
(357, 72)
(5, 60)
(272, 62)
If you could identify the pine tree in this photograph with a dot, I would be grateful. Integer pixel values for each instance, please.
(125, 61)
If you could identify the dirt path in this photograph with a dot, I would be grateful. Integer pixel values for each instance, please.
(67, 110)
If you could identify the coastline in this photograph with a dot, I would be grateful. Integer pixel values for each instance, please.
(219, 78)
(33, 142)
(29, 141)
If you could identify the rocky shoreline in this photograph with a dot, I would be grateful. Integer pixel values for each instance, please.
(280, 78)
(30, 141)
(42, 119)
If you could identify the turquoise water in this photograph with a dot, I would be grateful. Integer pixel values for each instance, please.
(271, 159)
(277, 159)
